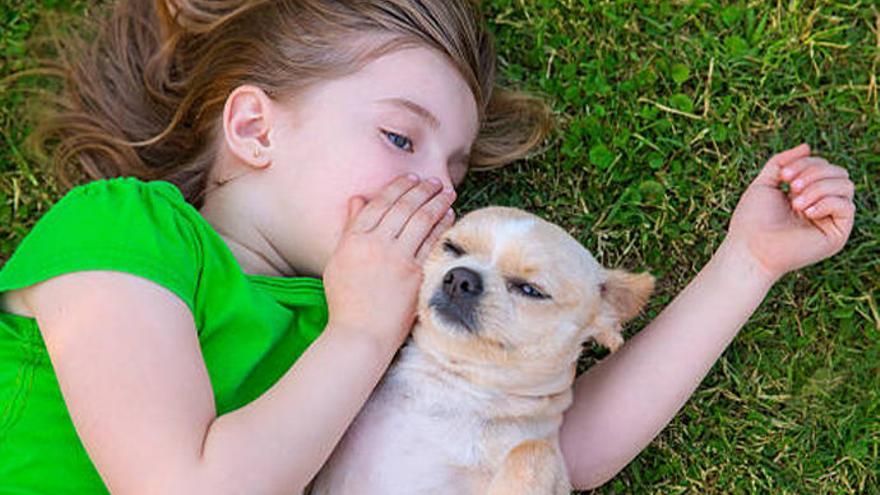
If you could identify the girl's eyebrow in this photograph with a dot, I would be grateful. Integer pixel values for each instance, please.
(415, 108)
(462, 155)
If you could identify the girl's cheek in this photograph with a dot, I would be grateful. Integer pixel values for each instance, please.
(380, 171)
(371, 165)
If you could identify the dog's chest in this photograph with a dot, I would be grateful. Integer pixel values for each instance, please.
(418, 435)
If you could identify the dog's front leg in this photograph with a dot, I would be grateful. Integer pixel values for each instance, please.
(534, 467)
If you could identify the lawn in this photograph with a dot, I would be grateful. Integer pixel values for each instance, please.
(666, 110)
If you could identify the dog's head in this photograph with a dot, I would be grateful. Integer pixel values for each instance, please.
(509, 298)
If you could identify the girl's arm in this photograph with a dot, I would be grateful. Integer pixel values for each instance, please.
(126, 354)
(127, 358)
(624, 401)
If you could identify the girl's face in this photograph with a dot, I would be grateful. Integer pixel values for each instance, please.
(409, 111)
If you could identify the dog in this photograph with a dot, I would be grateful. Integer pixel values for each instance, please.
(473, 401)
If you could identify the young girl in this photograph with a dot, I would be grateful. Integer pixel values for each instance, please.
(209, 313)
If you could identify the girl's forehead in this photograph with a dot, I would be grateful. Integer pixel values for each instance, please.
(413, 81)
(422, 76)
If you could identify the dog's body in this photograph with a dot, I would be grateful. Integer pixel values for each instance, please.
(473, 402)
(426, 431)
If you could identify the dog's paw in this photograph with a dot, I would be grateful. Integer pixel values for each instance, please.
(609, 339)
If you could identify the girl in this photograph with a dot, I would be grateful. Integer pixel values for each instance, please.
(210, 312)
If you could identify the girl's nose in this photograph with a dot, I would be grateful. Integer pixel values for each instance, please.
(442, 173)
(447, 183)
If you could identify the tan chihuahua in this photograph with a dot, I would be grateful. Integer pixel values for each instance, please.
(474, 400)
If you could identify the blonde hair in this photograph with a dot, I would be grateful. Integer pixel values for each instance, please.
(145, 96)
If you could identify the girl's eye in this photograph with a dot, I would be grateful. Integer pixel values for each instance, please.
(528, 290)
(399, 141)
(451, 248)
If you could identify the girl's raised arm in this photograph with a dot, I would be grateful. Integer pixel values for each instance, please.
(625, 400)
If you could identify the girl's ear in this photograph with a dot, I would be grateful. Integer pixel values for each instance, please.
(247, 120)
(626, 293)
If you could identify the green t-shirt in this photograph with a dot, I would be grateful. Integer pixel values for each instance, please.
(251, 328)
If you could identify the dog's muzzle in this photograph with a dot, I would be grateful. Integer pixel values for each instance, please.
(457, 299)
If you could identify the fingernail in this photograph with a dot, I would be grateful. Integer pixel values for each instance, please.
(435, 181)
(449, 213)
(797, 184)
(810, 210)
(798, 203)
(412, 177)
(787, 173)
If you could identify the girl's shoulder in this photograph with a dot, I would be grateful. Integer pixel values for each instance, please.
(120, 224)
(123, 195)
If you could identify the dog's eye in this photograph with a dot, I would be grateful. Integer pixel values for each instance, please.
(451, 248)
(527, 290)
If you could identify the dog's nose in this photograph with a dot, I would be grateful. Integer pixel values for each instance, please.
(462, 283)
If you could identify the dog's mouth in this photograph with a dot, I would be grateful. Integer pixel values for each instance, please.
(454, 314)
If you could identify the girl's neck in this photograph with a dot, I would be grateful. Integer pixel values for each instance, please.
(252, 261)
(252, 250)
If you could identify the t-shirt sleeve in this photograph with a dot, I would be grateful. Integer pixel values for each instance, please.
(125, 225)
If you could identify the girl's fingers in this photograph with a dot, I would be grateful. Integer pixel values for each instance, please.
(802, 173)
(811, 175)
(422, 222)
(796, 167)
(785, 157)
(821, 188)
(355, 205)
(410, 204)
(770, 173)
(834, 216)
(375, 210)
(834, 206)
(439, 228)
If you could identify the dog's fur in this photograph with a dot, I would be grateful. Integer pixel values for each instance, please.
(474, 400)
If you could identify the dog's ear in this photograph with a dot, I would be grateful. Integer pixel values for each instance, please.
(626, 293)
(623, 295)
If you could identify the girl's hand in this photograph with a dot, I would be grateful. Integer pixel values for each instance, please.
(372, 279)
(783, 232)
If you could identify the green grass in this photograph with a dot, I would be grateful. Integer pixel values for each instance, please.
(666, 112)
